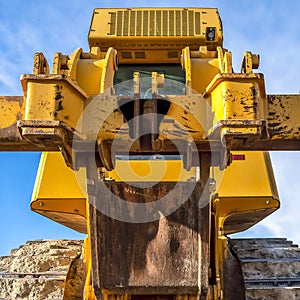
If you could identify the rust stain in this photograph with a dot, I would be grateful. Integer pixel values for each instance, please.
(283, 117)
(58, 98)
(59, 106)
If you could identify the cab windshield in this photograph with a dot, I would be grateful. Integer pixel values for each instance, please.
(174, 80)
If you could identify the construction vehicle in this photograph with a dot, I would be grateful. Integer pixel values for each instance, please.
(157, 150)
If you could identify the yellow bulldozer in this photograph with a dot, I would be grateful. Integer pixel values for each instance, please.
(157, 150)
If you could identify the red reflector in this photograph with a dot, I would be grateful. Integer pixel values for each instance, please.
(238, 157)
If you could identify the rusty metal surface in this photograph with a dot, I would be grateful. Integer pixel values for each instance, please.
(283, 117)
(279, 129)
(167, 256)
(234, 286)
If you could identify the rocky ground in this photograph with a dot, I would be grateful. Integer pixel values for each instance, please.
(37, 270)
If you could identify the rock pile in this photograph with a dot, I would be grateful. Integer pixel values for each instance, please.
(37, 270)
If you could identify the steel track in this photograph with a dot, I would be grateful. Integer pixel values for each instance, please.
(270, 267)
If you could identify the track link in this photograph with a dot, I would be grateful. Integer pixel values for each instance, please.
(270, 267)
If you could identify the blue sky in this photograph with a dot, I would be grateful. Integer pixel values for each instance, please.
(270, 28)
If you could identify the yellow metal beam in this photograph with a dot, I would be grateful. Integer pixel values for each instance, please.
(57, 194)
(12, 111)
(246, 192)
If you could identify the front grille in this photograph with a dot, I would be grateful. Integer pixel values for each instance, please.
(155, 23)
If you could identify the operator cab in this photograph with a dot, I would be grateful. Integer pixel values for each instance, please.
(174, 79)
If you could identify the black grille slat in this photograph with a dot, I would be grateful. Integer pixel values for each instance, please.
(184, 23)
(158, 23)
(139, 23)
(132, 23)
(178, 23)
(191, 23)
(119, 23)
(197, 23)
(165, 23)
(112, 30)
(125, 23)
(171, 23)
(145, 23)
(152, 23)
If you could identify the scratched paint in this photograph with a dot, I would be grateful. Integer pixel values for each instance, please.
(283, 121)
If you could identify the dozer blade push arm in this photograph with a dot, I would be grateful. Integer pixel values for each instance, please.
(45, 118)
(12, 109)
(279, 130)
(245, 118)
